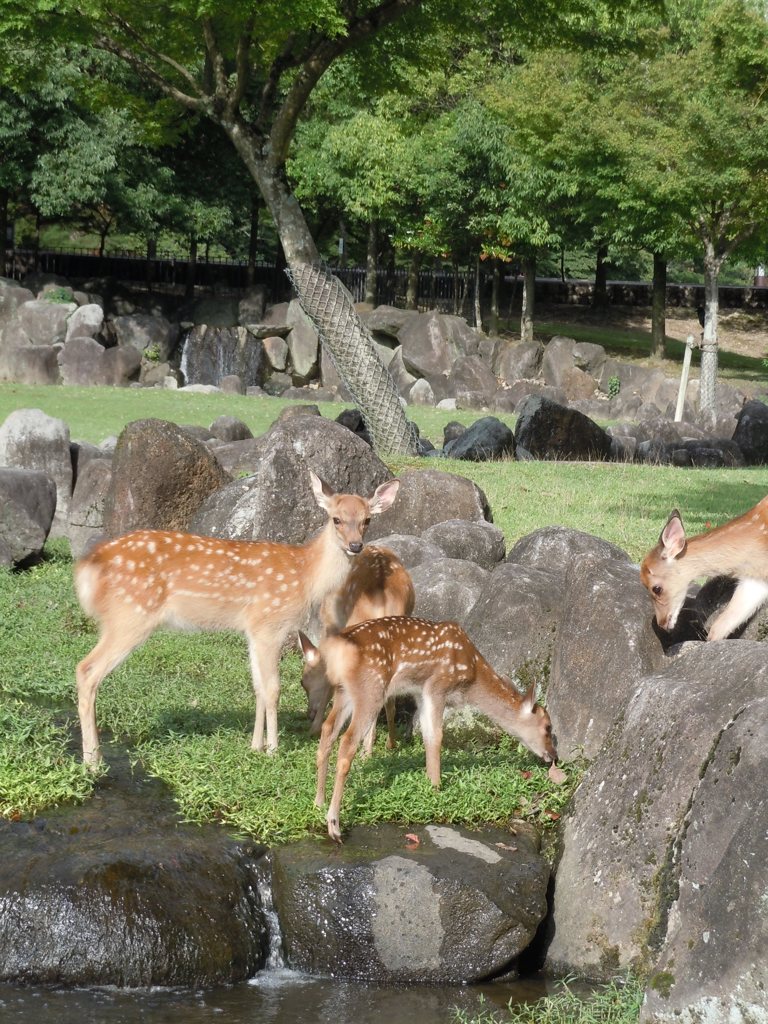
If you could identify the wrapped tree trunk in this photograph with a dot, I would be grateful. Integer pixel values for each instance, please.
(658, 305)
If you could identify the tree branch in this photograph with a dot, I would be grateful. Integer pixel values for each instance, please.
(163, 58)
(242, 65)
(146, 71)
(216, 58)
(317, 62)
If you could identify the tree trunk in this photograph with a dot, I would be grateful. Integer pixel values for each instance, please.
(458, 298)
(658, 306)
(478, 299)
(412, 287)
(342, 242)
(708, 376)
(371, 263)
(149, 272)
(529, 298)
(4, 197)
(253, 242)
(493, 320)
(189, 290)
(600, 294)
(353, 351)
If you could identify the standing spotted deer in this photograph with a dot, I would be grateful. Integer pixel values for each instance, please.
(378, 585)
(439, 665)
(738, 548)
(151, 578)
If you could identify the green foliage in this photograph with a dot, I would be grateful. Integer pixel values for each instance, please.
(614, 386)
(38, 767)
(614, 1003)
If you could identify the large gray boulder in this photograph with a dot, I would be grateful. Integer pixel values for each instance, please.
(431, 343)
(12, 295)
(554, 548)
(520, 362)
(86, 513)
(31, 364)
(478, 542)
(27, 506)
(160, 477)
(427, 497)
(514, 620)
(117, 892)
(303, 345)
(457, 907)
(41, 322)
(605, 644)
(84, 362)
(447, 589)
(714, 964)
(147, 333)
(631, 861)
(276, 501)
(30, 439)
(86, 322)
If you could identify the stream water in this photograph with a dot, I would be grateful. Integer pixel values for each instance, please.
(273, 997)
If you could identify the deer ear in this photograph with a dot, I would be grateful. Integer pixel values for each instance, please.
(529, 700)
(673, 536)
(322, 491)
(308, 649)
(383, 497)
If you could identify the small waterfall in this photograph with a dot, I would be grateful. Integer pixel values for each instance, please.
(210, 353)
(275, 957)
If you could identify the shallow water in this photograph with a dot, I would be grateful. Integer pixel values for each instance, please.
(272, 997)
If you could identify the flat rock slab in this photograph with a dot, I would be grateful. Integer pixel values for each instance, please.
(455, 906)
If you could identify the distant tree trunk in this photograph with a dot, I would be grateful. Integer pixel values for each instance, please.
(103, 241)
(4, 197)
(412, 287)
(149, 273)
(658, 306)
(562, 263)
(371, 263)
(189, 290)
(600, 294)
(253, 241)
(478, 297)
(342, 242)
(493, 319)
(709, 347)
(458, 298)
(529, 298)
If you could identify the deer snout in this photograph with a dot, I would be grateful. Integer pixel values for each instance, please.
(355, 547)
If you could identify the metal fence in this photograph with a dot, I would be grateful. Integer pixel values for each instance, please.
(438, 288)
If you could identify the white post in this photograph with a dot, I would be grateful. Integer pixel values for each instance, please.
(689, 344)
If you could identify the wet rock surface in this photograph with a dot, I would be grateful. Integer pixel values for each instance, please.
(118, 892)
(451, 906)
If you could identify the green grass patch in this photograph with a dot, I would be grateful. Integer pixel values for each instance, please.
(37, 769)
(614, 1003)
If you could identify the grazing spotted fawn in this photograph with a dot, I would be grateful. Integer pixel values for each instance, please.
(378, 585)
(738, 548)
(434, 661)
(151, 578)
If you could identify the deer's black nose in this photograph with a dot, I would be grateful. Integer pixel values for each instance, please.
(356, 547)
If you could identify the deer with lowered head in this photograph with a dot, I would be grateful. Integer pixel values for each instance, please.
(378, 585)
(738, 548)
(137, 583)
(438, 664)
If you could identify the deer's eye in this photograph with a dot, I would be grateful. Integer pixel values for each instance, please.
(336, 521)
(658, 590)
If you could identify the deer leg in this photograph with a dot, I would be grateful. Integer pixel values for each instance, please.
(332, 726)
(264, 659)
(350, 741)
(431, 722)
(109, 652)
(747, 598)
(389, 710)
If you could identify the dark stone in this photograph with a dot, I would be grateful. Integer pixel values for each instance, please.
(751, 434)
(488, 438)
(545, 430)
